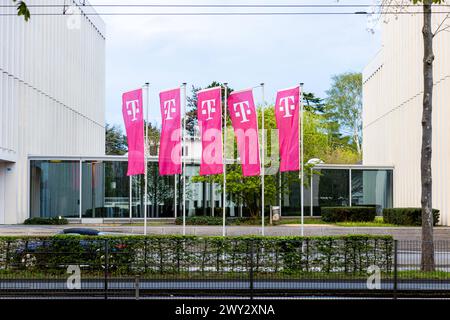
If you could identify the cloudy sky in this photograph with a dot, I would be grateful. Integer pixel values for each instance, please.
(244, 51)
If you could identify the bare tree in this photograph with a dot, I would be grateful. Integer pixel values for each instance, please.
(393, 8)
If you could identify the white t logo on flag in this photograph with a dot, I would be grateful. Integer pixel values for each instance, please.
(286, 107)
(169, 108)
(133, 109)
(209, 109)
(242, 110)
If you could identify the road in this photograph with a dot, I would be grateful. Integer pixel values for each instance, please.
(399, 233)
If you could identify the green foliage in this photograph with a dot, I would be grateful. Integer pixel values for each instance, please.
(218, 221)
(189, 255)
(354, 214)
(344, 104)
(115, 140)
(22, 10)
(46, 221)
(407, 216)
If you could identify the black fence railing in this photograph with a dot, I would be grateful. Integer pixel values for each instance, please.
(178, 266)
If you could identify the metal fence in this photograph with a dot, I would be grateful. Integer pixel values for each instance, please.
(189, 266)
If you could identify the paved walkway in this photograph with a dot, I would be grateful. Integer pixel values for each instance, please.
(399, 233)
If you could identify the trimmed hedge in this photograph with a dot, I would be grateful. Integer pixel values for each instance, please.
(218, 221)
(181, 255)
(46, 221)
(353, 214)
(407, 216)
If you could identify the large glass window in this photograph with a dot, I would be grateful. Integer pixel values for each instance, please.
(372, 188)
(333, 188)
(291, 195)
(105, 190)
(55, 189)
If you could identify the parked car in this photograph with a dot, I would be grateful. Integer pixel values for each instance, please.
(57, 253)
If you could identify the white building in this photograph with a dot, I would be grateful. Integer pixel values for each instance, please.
(392, 112)
(52, 94)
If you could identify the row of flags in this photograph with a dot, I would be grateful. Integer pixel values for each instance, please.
(242, 111)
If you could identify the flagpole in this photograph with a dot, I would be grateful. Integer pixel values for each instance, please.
(183, 155)
(262, 160)
(224, 200)
(147, 86)
(302, 169)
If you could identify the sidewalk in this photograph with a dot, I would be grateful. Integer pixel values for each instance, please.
(399, 233)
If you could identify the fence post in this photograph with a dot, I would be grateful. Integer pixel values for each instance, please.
(395, 268)
(251, 270)
(136, 287)
(106, 268)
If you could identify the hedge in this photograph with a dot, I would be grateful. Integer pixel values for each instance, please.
(407, 216)
(46, 221)
(218, 221)
(176, 255)
(354, 214)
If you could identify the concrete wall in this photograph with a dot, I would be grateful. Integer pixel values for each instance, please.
(392, 110)
(52, 94)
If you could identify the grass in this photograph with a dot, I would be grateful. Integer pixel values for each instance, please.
(378, 222)
(183, 275)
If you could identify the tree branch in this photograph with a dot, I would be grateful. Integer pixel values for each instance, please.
(441, 27)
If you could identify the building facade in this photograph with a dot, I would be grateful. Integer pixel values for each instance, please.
(392, 109)
(97, 189)
(52, 94)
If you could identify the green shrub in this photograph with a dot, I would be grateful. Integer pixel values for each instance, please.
(407, 216)
(353, 214)
(202, 256)
(218, 221)
(46, 221)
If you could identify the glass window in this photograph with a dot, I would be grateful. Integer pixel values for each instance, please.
(55, 189)
(105, 190)
(333, 188)
(290, 195)
(372, 188)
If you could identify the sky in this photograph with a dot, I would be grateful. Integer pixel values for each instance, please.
(244, 51)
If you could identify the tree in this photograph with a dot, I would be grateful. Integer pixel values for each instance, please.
(427, 260)
(344, 104)
(22, 9)
(247, 190)
(115, 141)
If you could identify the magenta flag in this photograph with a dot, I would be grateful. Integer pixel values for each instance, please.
(170, 141)
(132, 111)
(287, 113)
(241, 106)
(209, 113)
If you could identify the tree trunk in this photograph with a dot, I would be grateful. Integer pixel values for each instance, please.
(426, 175)
(356, 139)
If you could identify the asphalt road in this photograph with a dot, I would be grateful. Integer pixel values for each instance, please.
(399, 233)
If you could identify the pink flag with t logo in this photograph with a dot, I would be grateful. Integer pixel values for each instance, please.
(287, 112)
(170, 141)
(134, 124)
(241, 106)
(209, 113)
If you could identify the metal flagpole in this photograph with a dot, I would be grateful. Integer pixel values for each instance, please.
(183, 156)
(175, 196)
(224, 200)
(147, 86)
(262, 160)
(302, 172)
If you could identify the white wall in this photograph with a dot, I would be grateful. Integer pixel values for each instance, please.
(392, 112)
(52, 93)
